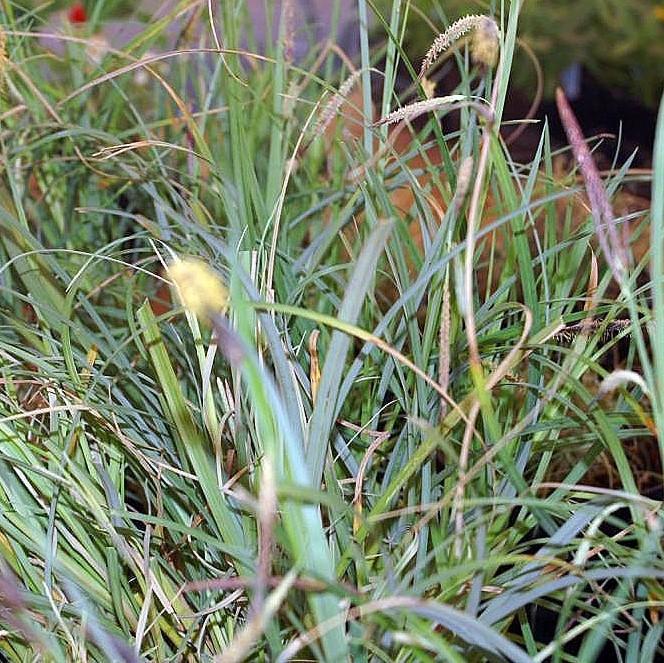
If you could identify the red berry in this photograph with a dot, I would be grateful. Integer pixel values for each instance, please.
(77, 14)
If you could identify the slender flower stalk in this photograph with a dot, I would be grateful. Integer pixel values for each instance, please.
(612, 244)
(444, 361)
(481, 385)
(288, 27)
(334, 104)
(4, 60)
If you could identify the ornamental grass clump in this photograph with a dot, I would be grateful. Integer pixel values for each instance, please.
(296, 462)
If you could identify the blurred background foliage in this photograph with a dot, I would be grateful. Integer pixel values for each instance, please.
(619, 42)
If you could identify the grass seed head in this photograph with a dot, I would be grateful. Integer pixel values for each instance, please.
(485, 45)
(411, 111)
(332, 107)
(199, 287)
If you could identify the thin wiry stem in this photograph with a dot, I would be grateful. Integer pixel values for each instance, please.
(288, 18)
(4, 60)
(444, 340)
(463, 183)
(473, 223)
(457, 507)
(512, 358)
(267, 516)
(359, 480)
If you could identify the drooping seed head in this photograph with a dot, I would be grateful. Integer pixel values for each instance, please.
(485, 46)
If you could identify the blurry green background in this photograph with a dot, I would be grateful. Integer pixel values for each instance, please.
(620, 42)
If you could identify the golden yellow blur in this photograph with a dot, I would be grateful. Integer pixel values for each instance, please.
(429, 87)
(199, 287)
(485, 44)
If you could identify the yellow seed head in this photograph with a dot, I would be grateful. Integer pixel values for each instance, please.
(485, 45)
(199, 287)
(428, 86)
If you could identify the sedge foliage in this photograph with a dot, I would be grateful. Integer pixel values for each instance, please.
(369, 457)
